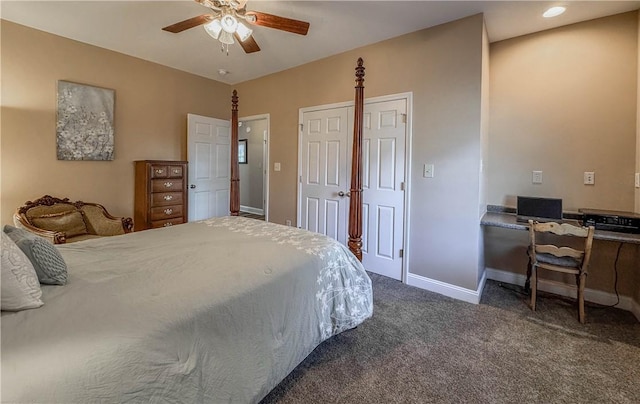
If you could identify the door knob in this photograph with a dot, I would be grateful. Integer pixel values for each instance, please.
(192, 186)
(342, 194)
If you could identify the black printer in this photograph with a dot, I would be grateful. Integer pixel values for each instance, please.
(611, 220)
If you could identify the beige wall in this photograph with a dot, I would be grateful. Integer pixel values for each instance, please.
(151, 104)
(442, 66)
(564, 101)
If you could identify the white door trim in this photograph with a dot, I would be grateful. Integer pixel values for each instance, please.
(265, 158)
(408, 97)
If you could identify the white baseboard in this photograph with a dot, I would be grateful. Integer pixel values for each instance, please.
(250, 209)
(563, 289)
(558, 288)
(446, 289)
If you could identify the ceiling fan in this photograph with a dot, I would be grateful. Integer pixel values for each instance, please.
(226, 23)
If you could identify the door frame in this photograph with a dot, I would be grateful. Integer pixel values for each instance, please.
(408, 97)
(265, 160)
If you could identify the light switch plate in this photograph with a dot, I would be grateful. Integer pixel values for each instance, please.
(637, 180)
(428, 171)
(276, 166)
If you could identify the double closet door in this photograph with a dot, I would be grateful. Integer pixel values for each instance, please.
(326, 138)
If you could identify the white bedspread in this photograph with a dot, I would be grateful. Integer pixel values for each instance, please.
(209, 312)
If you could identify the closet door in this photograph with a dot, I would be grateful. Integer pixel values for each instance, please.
(323, 181)
(325, 161)
(383, 169)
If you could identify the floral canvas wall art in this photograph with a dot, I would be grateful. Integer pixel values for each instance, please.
(84, 128)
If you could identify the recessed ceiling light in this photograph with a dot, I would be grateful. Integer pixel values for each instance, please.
(554, 12)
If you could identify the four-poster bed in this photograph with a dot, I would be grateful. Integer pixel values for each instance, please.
(219, 310)
(355, 201)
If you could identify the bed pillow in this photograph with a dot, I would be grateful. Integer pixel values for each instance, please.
(70, 223)
(20, 288)
(44, 256)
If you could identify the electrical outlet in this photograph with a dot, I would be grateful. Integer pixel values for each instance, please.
(428, 171)
(589, 178)
(637, 180)
(287, 222)
(537, 177)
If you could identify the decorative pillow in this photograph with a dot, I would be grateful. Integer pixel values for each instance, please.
(44, 256)
(71, 223)
(20, 289)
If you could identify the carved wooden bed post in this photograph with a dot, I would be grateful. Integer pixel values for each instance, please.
(234, 203)
(355, 202)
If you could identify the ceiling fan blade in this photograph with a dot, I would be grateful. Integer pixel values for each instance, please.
(190, 23)
(249, 45)
(281, 23)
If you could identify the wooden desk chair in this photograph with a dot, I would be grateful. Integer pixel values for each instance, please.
(560, 258)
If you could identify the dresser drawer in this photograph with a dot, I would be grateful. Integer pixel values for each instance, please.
(166, 198)
(166, 185)
(158, 171)
(175, 172)
(166, 212)
(166, 223)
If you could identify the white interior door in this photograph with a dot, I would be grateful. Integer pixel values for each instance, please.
(208, 152)
(322, 203)
(325, 163)
(383, 158)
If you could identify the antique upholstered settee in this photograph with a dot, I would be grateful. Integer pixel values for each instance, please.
(62, 221)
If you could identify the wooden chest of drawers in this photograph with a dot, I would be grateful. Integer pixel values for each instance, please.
(160, 194)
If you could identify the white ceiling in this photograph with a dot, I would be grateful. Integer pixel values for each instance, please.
(134, 27)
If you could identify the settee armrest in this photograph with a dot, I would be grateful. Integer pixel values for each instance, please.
(101, 223)
(56, 237)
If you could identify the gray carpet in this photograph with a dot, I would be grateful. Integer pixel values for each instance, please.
(421, 347)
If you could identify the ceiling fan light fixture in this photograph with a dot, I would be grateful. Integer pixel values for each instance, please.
(229, 23)
(243, 32)
(213, 28)
(226, 38)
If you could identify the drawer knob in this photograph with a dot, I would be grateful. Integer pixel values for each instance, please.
(168, 211)
(168, 184)
(167, 224)
(176, 171)
(168, 197)
(159, 171)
